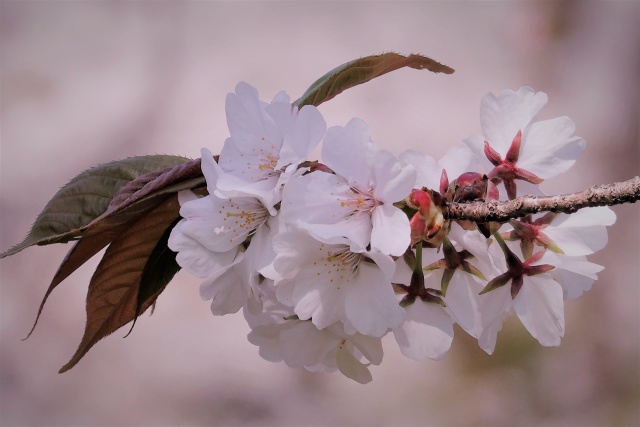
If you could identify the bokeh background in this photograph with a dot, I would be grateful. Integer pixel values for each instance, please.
(83, 83)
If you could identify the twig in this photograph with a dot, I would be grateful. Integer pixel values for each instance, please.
(599, 195)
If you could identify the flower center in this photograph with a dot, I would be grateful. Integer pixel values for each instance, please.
(360, 202)
(267, 161)
(338, 263)
(241, 219)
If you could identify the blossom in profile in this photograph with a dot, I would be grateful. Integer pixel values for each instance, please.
(517, 147)
(223, 241)
(427, 331)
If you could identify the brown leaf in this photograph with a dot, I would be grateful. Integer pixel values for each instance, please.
(134, 200)
(113, 290)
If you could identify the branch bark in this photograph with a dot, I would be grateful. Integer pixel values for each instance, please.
(599, 195)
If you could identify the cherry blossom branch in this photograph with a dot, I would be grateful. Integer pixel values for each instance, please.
(598, 195)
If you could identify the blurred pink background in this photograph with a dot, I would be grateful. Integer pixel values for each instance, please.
(84, 83)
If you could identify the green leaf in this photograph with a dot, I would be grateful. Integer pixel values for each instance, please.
(86, 197)
(112, 299)
(361, 71)
(136, 199)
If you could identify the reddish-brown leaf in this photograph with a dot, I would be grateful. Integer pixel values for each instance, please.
(113, 290)
(134, 200)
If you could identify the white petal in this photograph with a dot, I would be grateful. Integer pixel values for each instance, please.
(247, 120)
(583, 232)
(578, 241)
(463, 301)
(186, 196)
(226, 288)
(427, 170)
(370, 347)
(286, 245)
(315, 282)
(587, 217)
(283, 115)
(384, 262)
(540, 307)
(324, 204)
(348, 151)
(575, 274)
(308, 129)
(426, 333)
(549, 147)
(573, 284)
(229, 186)
(322, 301)
(489, 335)
(402, 273)
(281, 97)
(210, 169)
(456, 161)
(391, 232)
(252, 164)
(392, 181)
(578, 264)
(503, 116)
(476, 144)
(371, 304)
(351, 367)
(495, 307)
(267, 338)
(219, 224)
(192, 256)
(478, 246)
(304, 345)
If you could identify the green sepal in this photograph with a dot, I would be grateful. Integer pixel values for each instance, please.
(497, 282)
(472, 269)
(447, 275)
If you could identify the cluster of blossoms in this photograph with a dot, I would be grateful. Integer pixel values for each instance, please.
(327, 258)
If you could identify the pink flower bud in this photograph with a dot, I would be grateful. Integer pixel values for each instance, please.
(429, 220)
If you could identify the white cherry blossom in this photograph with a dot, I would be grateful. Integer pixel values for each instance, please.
(281, 336)
(533, 295)
(328, 283)
(301, 345)
(267, 143)
(357, 201)
(427, 331)
(209, 242)
(457, 160)
(516, 146)
(314, 254)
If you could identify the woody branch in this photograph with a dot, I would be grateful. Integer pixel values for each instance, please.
(599, 195)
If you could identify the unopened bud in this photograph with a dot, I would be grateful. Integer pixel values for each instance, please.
(470, 186)
(429, 220)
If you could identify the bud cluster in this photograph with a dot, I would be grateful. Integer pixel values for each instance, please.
(327, 258)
